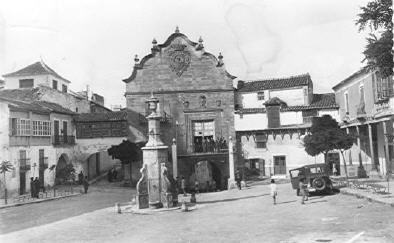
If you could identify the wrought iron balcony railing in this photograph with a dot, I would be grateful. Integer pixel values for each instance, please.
(63, 140)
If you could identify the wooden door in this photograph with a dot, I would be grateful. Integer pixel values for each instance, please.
(22, 182)
(279, 165)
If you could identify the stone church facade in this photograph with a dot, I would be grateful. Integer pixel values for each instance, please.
(196, 97)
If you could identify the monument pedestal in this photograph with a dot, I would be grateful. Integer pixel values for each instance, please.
(231, 184)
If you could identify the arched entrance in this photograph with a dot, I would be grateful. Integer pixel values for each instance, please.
(216, 175)
(60, 169)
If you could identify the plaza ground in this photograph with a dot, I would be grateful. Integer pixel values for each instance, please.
(229, 216)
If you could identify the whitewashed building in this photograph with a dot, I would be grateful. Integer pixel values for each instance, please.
(271, 118)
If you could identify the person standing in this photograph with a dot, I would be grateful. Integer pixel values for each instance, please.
(37, 187)
(32, 188)
(196, 186)
(86, 184)
(238, 178)
(80, 178)
(274, 190)
(183, 185)
(303, 190)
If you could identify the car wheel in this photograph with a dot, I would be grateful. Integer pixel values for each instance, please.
(319, 184)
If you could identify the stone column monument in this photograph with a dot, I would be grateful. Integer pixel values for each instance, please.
(155, 160)
(174, 159)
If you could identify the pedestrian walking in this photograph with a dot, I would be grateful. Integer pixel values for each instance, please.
(183, 186)
(238, 178)
(274, 190)
(196, 186)
(37, 187)
(303, 190)
(32, 188)
(86, 184)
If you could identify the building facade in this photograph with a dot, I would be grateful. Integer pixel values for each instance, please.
(367, 112)
(196, 102)
(272, 117)
(41, 130)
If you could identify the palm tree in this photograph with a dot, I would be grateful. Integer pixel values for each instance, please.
(5, 166)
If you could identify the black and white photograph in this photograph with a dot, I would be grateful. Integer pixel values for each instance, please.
(182, 121)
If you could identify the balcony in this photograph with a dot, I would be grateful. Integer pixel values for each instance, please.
(209, 148)
(59, 140)
(24, 164)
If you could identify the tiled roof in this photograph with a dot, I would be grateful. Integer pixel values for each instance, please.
(351, 77)
(21, 94)
(279, 83)
(37, 68)
(98, 117)
(42, 107)
(320, 101)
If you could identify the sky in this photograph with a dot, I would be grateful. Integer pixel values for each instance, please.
(93, 42)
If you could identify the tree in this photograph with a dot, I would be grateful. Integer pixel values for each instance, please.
(128, 153)
(377, 15)
(325, 135)
(5, 167)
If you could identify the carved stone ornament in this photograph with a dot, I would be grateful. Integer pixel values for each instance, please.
(179, 58)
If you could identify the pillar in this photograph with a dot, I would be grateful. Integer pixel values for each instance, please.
(231, 180)
(371, 147)
(174, 159)
(386, 147)
(359, 146)
(349, 151)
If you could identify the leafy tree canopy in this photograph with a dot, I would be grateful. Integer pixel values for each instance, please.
(377, 15)
(325, 135)
(6, 166)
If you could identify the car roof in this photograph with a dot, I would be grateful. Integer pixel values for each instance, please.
(311, 166)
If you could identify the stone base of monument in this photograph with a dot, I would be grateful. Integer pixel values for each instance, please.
(155, 205)
(231, 184)
(142, 201)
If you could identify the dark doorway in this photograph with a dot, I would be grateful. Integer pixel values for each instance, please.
(97, 163)
(41, 166)
(334, 163)
(216, 175)
(279, 165)
(22, 181)
(61, 164)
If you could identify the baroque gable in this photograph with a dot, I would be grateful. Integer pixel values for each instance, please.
(178, 64)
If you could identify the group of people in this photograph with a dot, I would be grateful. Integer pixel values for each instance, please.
(35, 186)
(303, 186)
(210, 186)
(208, 144)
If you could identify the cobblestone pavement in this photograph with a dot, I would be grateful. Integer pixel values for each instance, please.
(229, 216)
(30, 215)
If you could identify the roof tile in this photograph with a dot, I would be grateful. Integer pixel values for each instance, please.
(37, 68)
(280, 83)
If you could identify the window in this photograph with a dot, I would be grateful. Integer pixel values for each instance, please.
(20, 127)
(64, 88)
(41, 128)
(54, 84)
(203, 136)
(26, 83)
(347, 102)
(261, 141)
(384, 87)
(260, 95)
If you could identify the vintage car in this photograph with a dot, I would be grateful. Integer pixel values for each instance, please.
(317, 177)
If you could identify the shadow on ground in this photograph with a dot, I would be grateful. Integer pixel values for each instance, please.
(233, 199)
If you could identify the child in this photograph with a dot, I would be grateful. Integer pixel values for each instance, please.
(274, 191)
